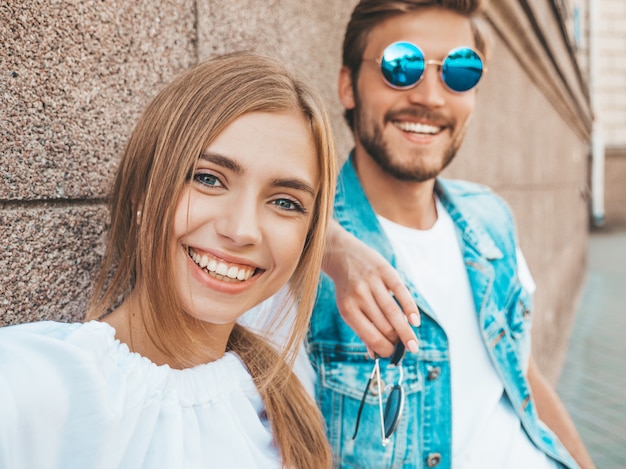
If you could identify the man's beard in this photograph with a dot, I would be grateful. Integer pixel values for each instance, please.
(373, 142)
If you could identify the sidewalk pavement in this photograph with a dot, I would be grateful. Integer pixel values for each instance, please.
(593, 382)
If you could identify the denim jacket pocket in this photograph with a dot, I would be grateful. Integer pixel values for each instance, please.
(343, 377)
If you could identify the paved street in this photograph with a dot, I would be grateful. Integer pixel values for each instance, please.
(593, 382)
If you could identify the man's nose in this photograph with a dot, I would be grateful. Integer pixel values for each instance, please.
(430, 92)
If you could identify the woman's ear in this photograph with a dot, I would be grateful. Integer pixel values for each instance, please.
(346, 91)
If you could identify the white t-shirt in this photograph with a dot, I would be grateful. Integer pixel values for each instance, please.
(72, 396)
(486, 432)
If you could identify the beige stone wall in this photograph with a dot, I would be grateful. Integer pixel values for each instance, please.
(75, 75)
(615, 183)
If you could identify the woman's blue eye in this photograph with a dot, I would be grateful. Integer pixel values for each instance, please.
(207, 179)
(287, 204)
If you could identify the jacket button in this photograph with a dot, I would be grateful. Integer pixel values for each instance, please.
(433, 459)
(433, 373)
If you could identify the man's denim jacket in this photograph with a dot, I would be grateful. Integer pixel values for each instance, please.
(423, 439)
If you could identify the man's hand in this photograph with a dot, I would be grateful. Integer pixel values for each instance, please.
(366, 285)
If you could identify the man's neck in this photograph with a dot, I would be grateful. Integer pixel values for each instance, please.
(407, 203)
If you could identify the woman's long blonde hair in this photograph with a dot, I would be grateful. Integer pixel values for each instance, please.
(161, 154)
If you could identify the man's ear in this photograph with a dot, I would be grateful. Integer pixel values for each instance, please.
(346, 92)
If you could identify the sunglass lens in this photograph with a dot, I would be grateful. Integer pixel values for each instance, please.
(393, 410)
(402, 64)
(462, 69)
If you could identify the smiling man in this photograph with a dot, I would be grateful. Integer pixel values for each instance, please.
(470, 395)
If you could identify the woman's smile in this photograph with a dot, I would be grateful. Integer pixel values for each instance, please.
(221, 269)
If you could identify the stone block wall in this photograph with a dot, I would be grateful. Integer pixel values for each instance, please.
(74, 77)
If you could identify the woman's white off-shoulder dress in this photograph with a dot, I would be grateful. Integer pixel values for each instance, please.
(72, 396)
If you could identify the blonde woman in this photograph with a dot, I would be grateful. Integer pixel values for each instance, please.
(221, 198)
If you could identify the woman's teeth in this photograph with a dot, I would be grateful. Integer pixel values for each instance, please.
(220, 269)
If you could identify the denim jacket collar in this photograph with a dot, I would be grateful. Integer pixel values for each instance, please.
(473, 233)
(360, 218)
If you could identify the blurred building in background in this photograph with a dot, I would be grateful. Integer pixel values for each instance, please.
(75, 75)
(598, 29)
(606, 23)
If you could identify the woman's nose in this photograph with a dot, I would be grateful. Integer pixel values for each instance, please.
(240, 223)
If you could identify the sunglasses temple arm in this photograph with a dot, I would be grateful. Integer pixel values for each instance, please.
(398, 353)
(358, 415)
(380, 403)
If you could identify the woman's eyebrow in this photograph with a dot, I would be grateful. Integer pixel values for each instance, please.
(293, 183)
(223, 161)
(231, 164)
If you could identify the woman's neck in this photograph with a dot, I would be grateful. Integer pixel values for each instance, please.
(206, 343)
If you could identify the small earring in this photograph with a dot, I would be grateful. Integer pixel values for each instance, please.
(138, 217)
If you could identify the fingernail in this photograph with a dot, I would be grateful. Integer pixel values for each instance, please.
(412, 345)
(370, 352)
(415, 319)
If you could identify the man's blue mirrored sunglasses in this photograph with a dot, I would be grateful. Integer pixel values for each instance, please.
(403, 65)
